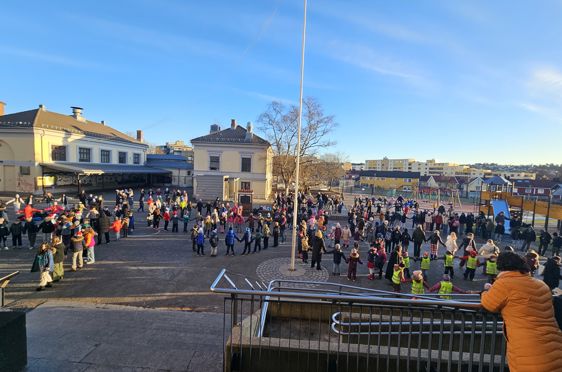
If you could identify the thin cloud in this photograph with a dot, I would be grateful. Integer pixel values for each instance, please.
(547, 80)
(265, 97)
(367, 58)
(45, 57)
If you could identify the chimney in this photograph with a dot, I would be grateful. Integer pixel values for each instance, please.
(249, 133)
(215, 128)
(42, 107)
(140, 136)
(102, 122)
(2, 105)
(77, 113)
(233, 123)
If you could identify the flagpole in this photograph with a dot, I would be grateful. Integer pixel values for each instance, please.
(297, 168)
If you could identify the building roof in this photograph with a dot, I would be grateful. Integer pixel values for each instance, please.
(41, 118)
(231, 135)
(497, 180)
(546, 184)
(168, 161)
(424, 178)
(98, 168)
(446, 179)
(389, 174)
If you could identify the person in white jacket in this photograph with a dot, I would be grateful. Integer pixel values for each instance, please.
(486, 251)
(451, 243)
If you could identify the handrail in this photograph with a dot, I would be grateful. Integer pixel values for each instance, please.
(3, 284)
(344, 298)
(9, 276)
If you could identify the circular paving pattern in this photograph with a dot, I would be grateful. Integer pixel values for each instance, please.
(278, 268)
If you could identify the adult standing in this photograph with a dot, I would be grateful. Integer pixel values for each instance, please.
(58, 258)
(551, 273)
(104, 227)
(526, 307)
(393, 260)
(418, 236)
(318, 248)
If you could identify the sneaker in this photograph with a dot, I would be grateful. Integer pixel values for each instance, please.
(6, 248)
(49, 285)
(40, 288)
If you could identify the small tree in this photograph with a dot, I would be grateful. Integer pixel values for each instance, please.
(279, 123)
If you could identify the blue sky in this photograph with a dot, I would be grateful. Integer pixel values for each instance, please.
(463, 81)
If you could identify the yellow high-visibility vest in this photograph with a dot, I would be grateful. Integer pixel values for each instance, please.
(417, 287)
(445, 290)
(471, 262)
(396, 276)
(406, 262)
(448, 260)
(425, 263)
(491, 268)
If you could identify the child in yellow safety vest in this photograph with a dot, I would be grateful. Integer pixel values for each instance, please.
(425, 262)
(448, 262)
(406, 262)
(445, 288)
(491, 268)
(397, 276)
(418, 284)
(471, 265)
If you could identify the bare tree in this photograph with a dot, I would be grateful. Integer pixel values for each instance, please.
(279, 124)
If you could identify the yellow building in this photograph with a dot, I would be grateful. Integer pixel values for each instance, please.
(40, 148)
(232, 164)
(388, 180)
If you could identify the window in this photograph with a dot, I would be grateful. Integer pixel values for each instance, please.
(84, 154)
(540, 191)
(136, 158)
(189, 173)
(58, 153)
(246, 164)
(214, 162)
(105, 156)
(25, 171)
(245, 185)
(407, 180)
(122, 157)
(528, 190)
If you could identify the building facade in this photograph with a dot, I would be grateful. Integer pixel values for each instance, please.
(41, 149)
(230, 163)
(389, 180)
(180, 170)
(176, 148)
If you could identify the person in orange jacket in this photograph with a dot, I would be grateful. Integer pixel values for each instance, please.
(116, 228)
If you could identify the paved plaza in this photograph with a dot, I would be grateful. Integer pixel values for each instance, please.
(148, 294)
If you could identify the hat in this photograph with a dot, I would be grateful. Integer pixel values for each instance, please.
(473, 253)
(79, 233)
(426, 254)
(417, 275)
(405, 254)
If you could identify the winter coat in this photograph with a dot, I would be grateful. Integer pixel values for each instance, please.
(230, 237)
(551, 274)
(103, 223)
(487, 250)
(30, 228)
(16, 228)
(418, 236)
(47, 227)
(77, 243)
(338, 255)
(59, 254)
(317, 248)
(4, 230)
(390, 266)
(532, 334)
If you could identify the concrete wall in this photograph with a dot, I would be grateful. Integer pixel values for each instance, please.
(16, 150)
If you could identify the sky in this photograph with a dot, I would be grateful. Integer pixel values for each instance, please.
(460, 81)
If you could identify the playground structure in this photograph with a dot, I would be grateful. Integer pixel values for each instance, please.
(494, 202)
(450, 196)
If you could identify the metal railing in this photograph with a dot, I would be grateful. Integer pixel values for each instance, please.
(318, 326)
(4, 281)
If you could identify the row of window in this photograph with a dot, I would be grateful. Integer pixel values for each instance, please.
(215, 163)
(58, 153)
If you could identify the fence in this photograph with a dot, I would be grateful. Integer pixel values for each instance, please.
(317, 326)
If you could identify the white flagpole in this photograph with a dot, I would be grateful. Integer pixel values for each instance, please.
(297, 169)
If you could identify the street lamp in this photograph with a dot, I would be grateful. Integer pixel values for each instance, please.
(297, 169)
